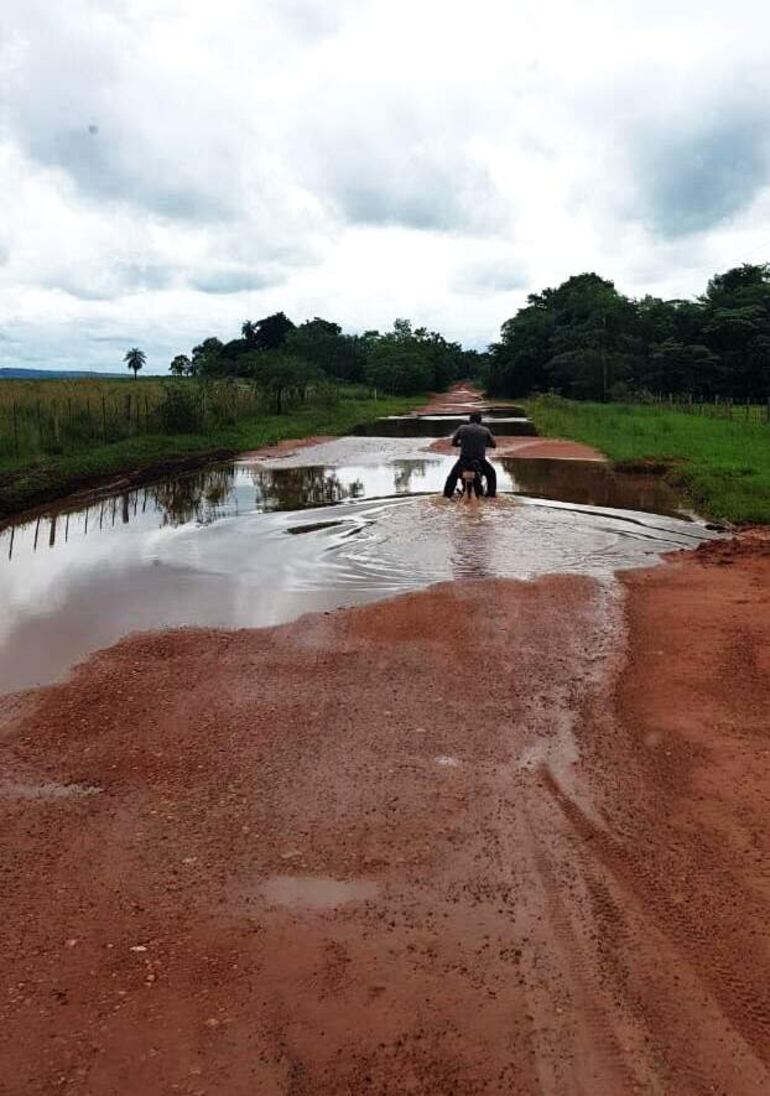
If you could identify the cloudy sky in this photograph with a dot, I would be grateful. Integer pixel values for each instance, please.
(169, 168)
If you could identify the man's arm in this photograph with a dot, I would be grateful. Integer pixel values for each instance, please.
(491, 439)
(456, 436)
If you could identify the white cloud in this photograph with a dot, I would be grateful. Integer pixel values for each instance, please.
(168, 169)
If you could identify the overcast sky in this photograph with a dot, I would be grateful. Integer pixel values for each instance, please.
(169, 168)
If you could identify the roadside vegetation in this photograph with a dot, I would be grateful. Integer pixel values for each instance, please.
(585, 340)
(185, 421)
(403, 361)
(275, 380)
(722, 464)
(647, 361)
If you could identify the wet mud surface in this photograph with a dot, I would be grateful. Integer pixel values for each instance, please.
(493, 837)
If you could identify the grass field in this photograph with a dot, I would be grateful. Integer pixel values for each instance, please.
(36, 475)
(722, 464)
(51, 418)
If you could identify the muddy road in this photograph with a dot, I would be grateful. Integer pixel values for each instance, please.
(491, 836)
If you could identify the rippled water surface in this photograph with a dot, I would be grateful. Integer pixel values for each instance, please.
(248, 543)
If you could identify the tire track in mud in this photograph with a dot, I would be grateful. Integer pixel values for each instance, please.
(670, 876)
(717, 992)
(554, 902)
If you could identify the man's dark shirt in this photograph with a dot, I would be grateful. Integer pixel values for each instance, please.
(473, 439)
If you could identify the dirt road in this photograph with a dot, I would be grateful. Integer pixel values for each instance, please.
(490, 838)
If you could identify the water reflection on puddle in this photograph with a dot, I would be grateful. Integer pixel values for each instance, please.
(211, 548)
(314, 892)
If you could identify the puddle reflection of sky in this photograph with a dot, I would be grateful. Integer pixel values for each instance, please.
(210, 548)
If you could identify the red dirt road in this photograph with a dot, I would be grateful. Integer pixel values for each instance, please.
(323, 859)
(544, 448)
(462, 399)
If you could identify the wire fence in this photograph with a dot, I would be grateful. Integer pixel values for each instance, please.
(39, 419)
(715, 407)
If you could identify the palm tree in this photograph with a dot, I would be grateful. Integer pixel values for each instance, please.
(135, 359)
(249, 332)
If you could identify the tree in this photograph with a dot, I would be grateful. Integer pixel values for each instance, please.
(682, 367)
(736, 326)
(249, 333)
(394, 367)
(135, 359)
(517, 362)
(406, 360)
(473, 365)
(281, 376)
(322, 344)
(181, 366)
(271, 332)
(207, 358)
(742, 284)
(577, 338)
(231, 354)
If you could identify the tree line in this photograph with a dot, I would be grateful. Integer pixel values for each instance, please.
(282, 357)
(585, 340)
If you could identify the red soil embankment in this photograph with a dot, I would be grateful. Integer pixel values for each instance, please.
(494, 837)
(544, 448)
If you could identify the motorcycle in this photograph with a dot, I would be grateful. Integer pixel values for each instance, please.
(470, 484)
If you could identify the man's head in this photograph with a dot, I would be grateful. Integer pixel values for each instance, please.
(475, 416)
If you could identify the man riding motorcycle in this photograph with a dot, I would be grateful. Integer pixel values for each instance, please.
(472, 439)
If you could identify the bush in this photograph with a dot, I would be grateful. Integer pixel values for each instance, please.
(181, 407)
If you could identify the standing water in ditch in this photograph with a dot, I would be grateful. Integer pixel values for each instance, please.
(259, 542)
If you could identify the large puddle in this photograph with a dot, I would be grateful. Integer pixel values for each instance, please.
(236, 546)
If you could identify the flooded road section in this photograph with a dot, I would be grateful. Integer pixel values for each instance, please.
(235, 546)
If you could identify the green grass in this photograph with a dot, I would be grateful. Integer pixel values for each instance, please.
(24, 483)
(722, 465)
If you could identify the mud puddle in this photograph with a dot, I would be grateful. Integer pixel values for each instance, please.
(314, 892)
(210, 548)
